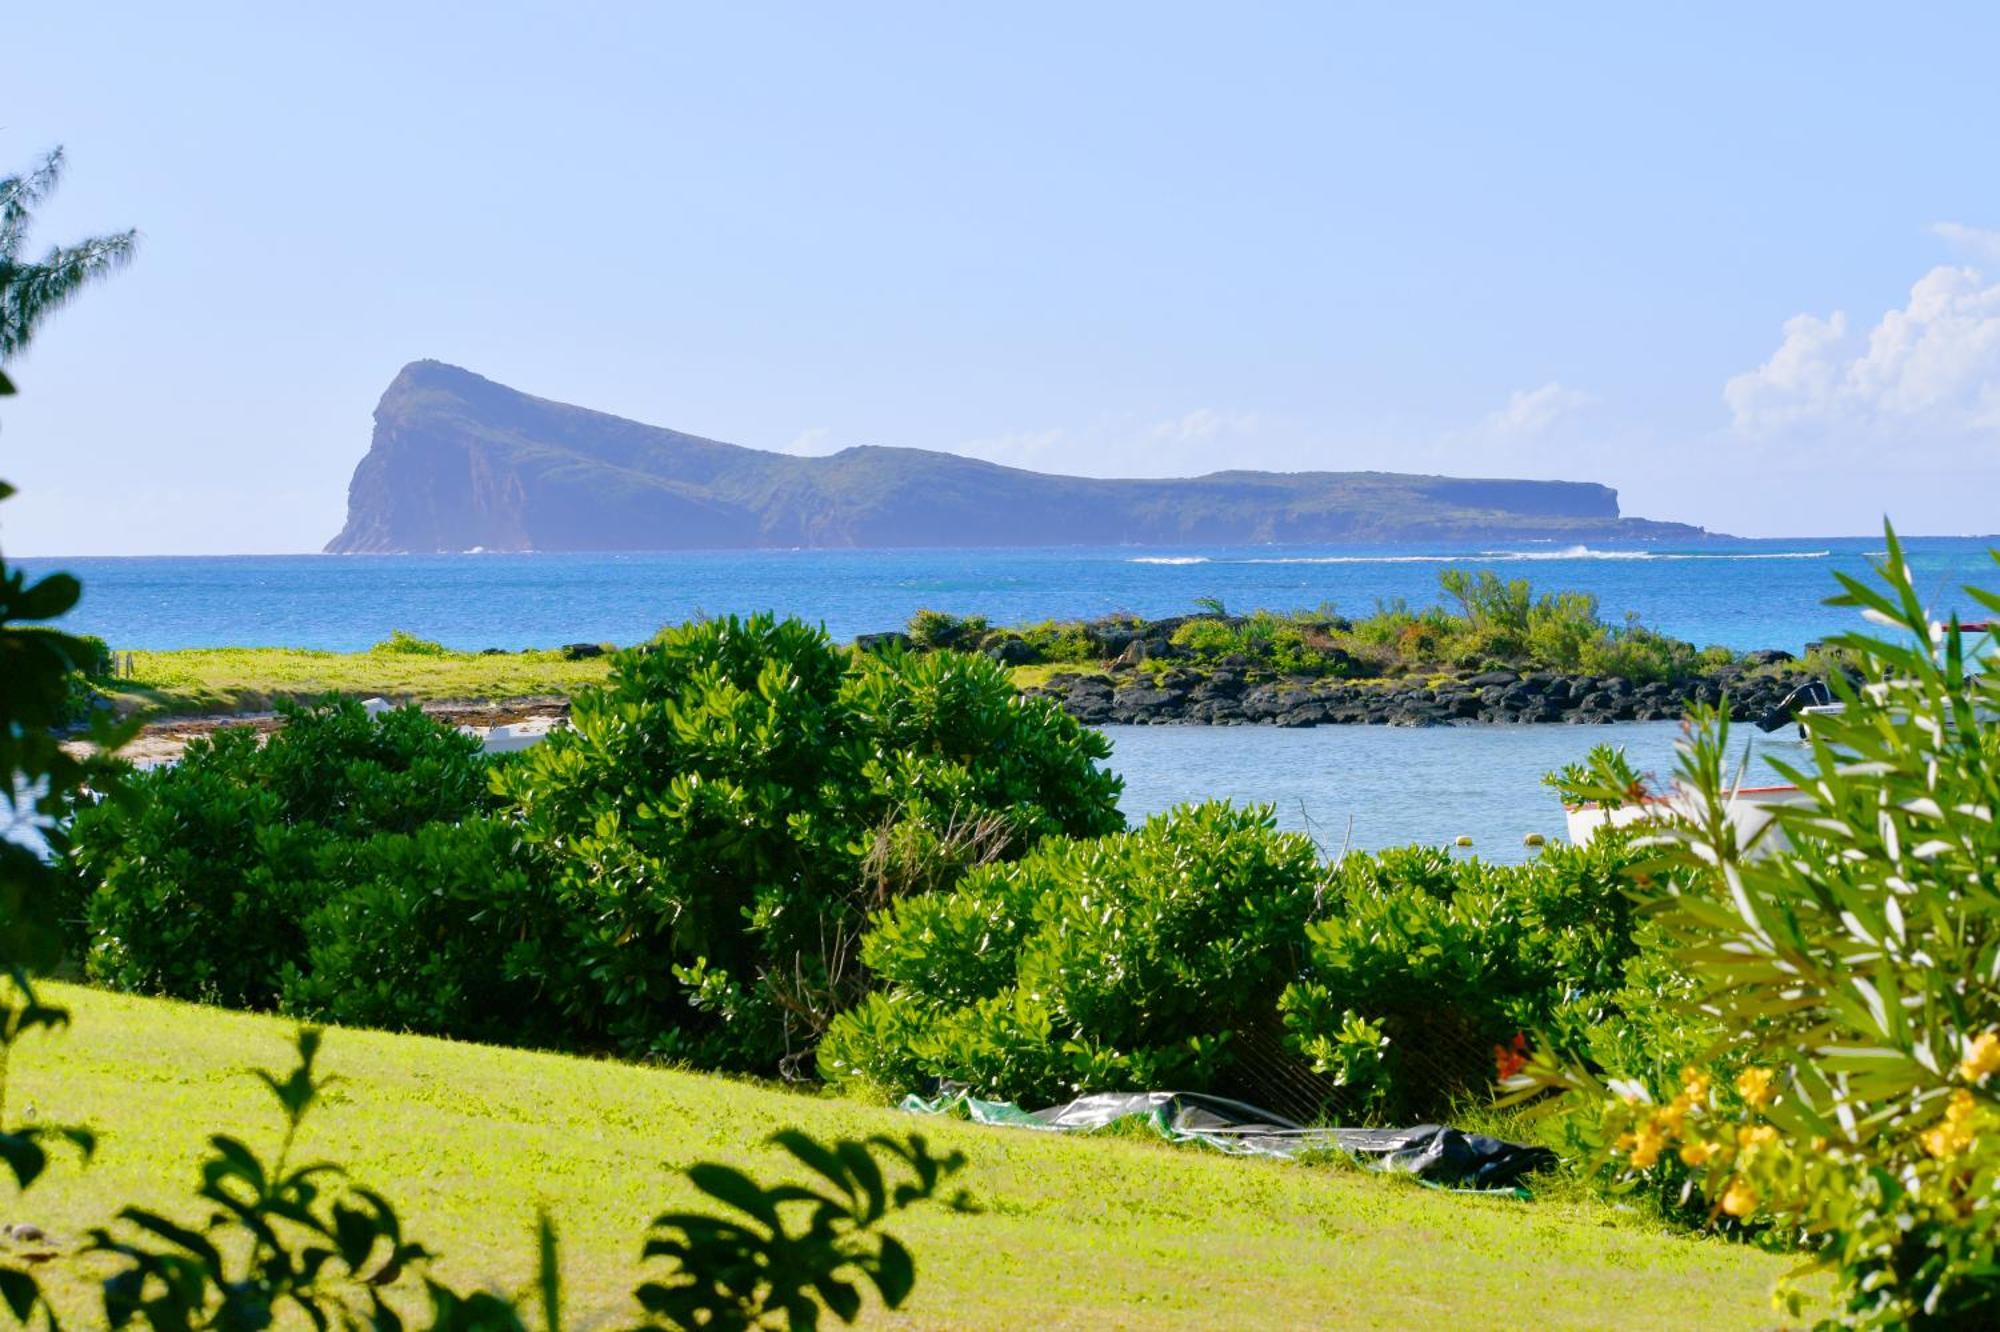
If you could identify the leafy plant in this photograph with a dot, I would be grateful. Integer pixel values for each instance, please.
(1849, 958)
(1421, 966)
(278, 1242)
(22, 1146)
(761, 1272)
(1087, 966)
(441, 929)
(401, 643)
(202, 884)
(936, 629)
(710, 818)
(1606, 777)
(38, 666)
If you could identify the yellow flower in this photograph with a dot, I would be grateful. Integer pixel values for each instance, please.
(1672, 1115)
(1739, 1200)
(1755, 1085)
(1760, 1136)
(1694, 1083)
(1647, 1142)
(1698, 1153)
(1952, 1134)
(1982, 1057)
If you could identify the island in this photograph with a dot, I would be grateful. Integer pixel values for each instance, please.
(460, 463)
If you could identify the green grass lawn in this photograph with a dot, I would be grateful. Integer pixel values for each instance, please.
(208, 681)
(1100, 1232)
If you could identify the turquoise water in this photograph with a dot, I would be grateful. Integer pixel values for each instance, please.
(1369, 787)
(1743, 594)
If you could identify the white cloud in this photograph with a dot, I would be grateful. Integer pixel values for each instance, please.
(1531, 411)
(1202, 440)
(1204, 423)
(812, 442)
(1932, 366)
(1980, 242)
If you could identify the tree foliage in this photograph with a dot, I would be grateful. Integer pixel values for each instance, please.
(32, 290)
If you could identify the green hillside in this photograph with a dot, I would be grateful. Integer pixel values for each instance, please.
(1107, 1232)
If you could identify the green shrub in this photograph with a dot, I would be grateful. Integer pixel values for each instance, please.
(723, 812)
(402, 643)
(932, 630)
(199, 882)
(1063, 641)
(1288, 645)
(1421, 966)
(1846, 964)
(1089, 965)
(438, 930)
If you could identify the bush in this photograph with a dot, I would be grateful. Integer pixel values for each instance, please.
(439, 930)
(403, 643)
(724, 811)
(935, 629)
(1124, 962)
(1060, 641)
(1845, 960)
(1289, 645)
(1422, 966)
(198, 884)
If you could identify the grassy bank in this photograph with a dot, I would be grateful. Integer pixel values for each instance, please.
(468, 1141)
(209, 681)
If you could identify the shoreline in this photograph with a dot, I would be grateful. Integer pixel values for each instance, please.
(1464, 698)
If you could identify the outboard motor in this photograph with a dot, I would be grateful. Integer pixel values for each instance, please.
(1811, 694)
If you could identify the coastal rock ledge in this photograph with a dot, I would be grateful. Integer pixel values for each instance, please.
(1189, 697)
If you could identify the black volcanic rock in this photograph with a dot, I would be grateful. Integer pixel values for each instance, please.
(460, 463)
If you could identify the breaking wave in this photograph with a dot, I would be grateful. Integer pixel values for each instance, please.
(1497, 557)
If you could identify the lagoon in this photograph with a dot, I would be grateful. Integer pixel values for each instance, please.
(1370, 787)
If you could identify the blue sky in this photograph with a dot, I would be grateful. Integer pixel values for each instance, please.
(1742, 262)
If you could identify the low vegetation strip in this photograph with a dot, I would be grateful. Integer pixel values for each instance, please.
(212, 681)
(470, 1140)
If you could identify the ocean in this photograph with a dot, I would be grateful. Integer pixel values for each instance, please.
(1745, 594)
(1365, 787)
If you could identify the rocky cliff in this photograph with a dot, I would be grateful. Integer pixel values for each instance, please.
(459, 462)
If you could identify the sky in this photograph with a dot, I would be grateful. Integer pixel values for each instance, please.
(1741, 262)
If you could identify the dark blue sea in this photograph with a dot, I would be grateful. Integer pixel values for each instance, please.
(1742, 594)
(1365, 787)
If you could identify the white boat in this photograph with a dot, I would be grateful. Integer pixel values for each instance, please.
(1750, 810)
(1814, 699)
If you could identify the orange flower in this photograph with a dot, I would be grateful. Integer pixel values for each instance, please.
(1511, 1057)
(1739, 1200)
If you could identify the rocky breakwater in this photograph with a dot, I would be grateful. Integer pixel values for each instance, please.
(1223, 697)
